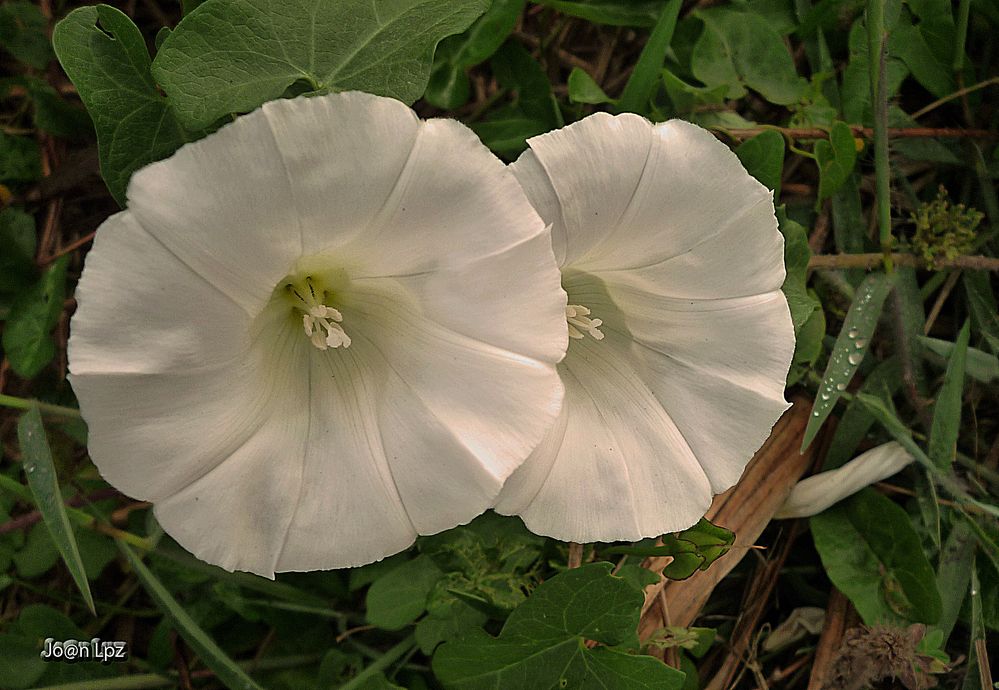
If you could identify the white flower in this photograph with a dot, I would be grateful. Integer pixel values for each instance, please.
(317, 333)
(680, 336)
(814, 494)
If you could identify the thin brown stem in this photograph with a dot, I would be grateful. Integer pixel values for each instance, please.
(844, 261)
(865, 132)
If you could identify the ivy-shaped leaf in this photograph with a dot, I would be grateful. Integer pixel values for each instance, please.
(104, 54)
(763, 156)
(543, 643)
(836, 158)
(230, 56)
(27, 340)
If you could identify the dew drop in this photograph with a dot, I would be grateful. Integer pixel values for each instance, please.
(841, 386)
(825, 396)
(29, 469)
(855, 358)
(852, 333)
(861, 342)
(815, 414)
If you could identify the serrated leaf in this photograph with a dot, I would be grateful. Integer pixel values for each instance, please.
(642, 82)
(27, 340)
(693, 549)
(836, 158)
(397, 599)
(542, 643)
(873, 555)
(44, 484)
(231, 56)
(583, 89)
(947, 410)
(848, 352)
(741, 48)
(763, 157)
(201, 643)
(105, 56)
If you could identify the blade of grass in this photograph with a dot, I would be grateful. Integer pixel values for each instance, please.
(848, 353)
(642, 81)
(381, 663)
(217, 660)
(947, 411)
(877, 43)
(44, 484)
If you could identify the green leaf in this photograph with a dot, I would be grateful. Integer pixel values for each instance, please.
(211, 654)
(104, 54)
(763, 156)
(909, 43)
(20, 664)
(26, 337)
(44, 486)
(542, 644)
(979, 365)
(947, 410)
(796, 256)
(849, 350)
(873, 555)
(17, 260)
(642, 82)
(38, 555)
(19, 159)
(856, 421)
(582, 88)
(954, 574)
(807, 346)
(397, 599)
(642, 13)
(693, 549)
(836, 158)
(741, 48)
(231, 56)
(23, 33)
(516, 70)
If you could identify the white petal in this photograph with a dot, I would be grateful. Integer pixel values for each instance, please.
(630, 193)
(615, 467)
(134, 309)
(716, 366)
(454, 202)
(814, 494)
(427, 424)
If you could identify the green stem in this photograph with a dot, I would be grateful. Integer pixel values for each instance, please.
(80, 517)
(46, 408)
(877, 43)
(380, 664)
(963, 12)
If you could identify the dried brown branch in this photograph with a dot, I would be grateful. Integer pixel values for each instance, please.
(843, 261)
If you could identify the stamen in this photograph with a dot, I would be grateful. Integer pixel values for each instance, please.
(321, 322)
(579, 323)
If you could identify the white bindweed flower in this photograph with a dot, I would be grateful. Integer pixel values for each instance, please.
(814, 494)
(680, 337)
(317, 333)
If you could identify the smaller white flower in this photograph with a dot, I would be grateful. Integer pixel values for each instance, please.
(814, 494)
(679, 335)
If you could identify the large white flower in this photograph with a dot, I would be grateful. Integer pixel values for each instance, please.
(680, 336)
(317, 333)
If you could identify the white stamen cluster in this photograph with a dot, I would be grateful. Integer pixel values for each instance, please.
(580, 324)
(320, 321)
(322, 325)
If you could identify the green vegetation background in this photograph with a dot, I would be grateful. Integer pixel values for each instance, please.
(874, 121)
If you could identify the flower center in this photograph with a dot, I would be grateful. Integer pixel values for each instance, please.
(580, 323)
(320, 321)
